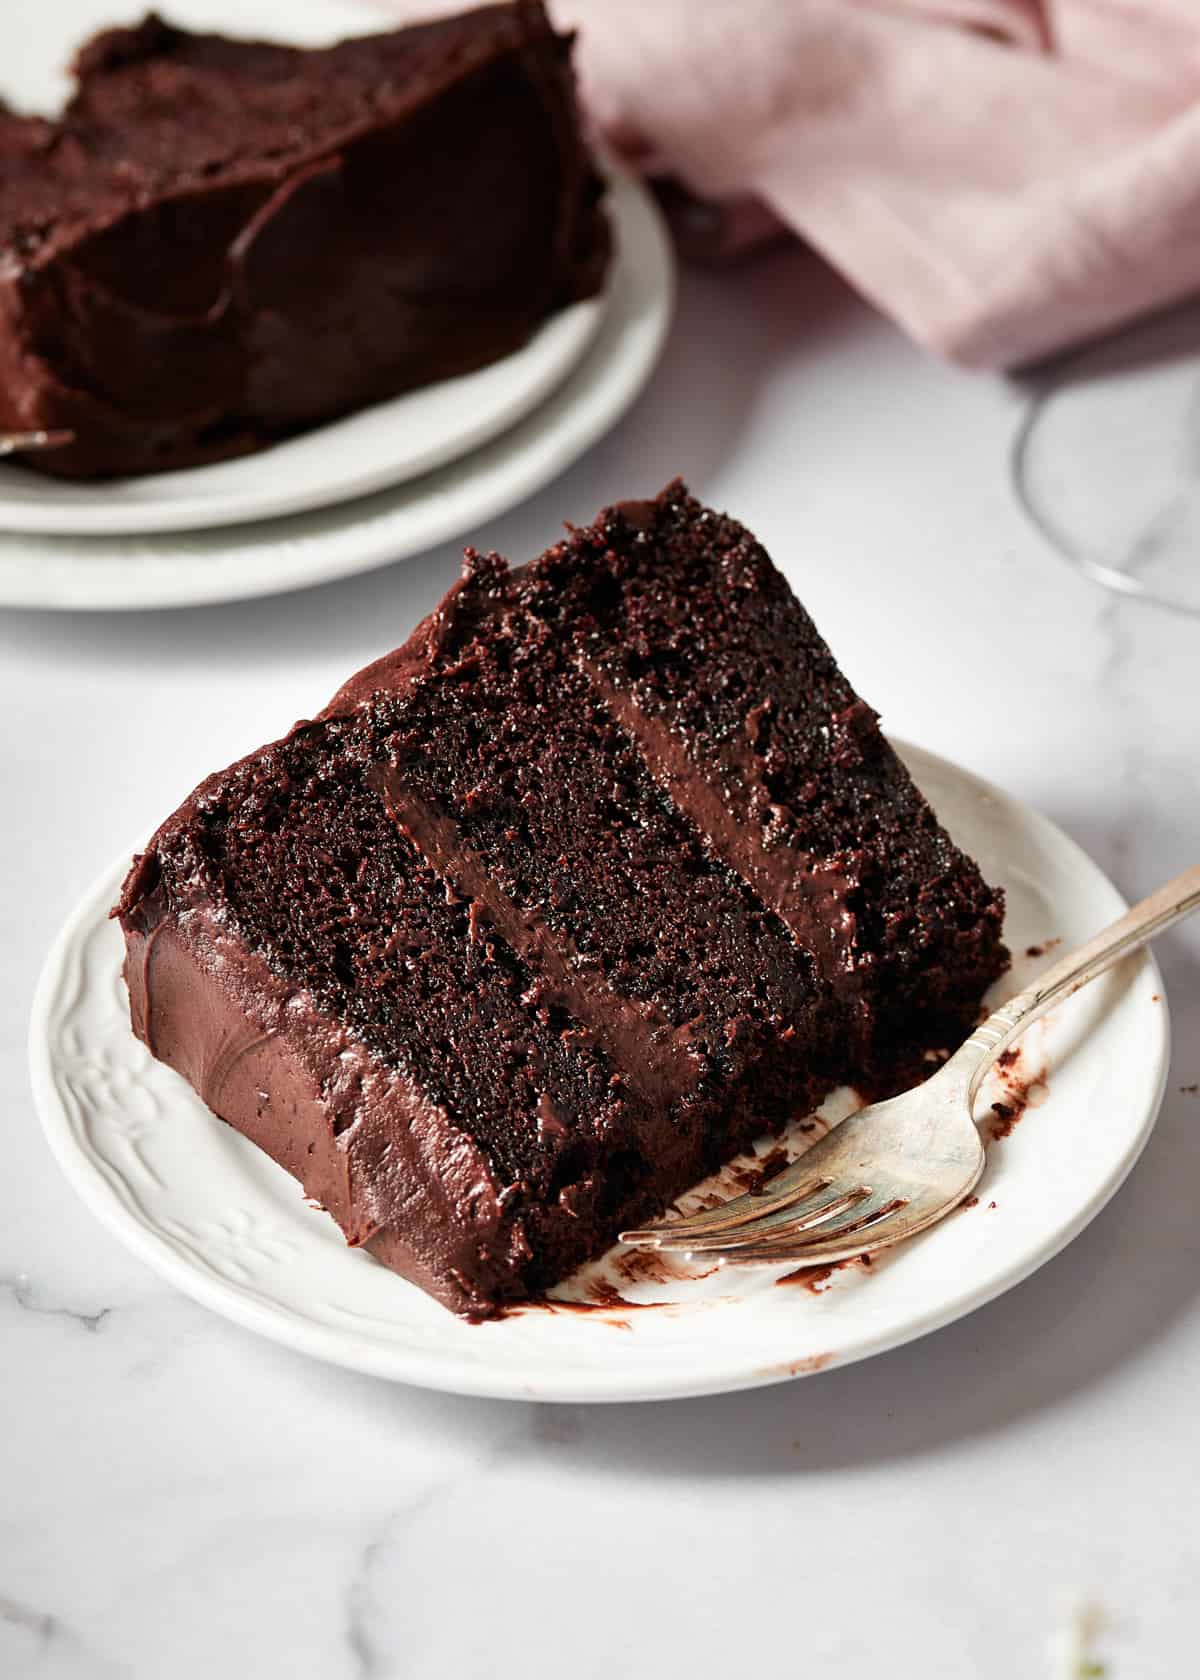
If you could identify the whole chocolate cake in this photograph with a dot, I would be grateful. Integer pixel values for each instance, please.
(605, 872)
(222, 242)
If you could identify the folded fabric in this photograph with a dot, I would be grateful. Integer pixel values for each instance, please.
(1002, 177)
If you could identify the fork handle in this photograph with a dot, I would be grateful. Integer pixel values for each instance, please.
(1131, 931)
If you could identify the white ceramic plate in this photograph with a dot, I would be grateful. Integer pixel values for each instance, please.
(389, 443)
(222, 1222)
(233, 562)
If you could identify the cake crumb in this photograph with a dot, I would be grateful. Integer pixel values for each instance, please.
(799, 1368)
(817, 1279)
(1021, 1090)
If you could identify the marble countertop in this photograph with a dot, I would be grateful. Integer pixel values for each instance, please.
(181, 1499)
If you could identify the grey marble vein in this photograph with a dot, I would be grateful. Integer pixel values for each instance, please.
(54, 1646)
(40, 1623)
(21, 1287)
(361, 1606)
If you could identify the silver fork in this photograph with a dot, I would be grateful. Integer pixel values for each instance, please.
(897, 1167)
(21, 443)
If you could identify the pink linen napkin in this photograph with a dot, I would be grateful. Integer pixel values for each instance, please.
(1003, 177)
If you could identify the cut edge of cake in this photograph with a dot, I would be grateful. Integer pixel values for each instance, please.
(656, 1076)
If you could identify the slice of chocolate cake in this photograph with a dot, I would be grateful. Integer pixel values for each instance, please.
(222, 242)
(606, 871)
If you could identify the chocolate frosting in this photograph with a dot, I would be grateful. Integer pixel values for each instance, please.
(658, 1058)
(399, 209)
(808, 894)
(387, 1162)
(395, 1167)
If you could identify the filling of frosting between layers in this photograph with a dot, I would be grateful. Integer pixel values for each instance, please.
(704, 655)
(300, 856)
(509, 773)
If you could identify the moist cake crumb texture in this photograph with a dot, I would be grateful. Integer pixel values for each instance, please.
(604, 873)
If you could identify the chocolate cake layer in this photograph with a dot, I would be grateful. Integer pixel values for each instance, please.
(753, 731)
(381, 1050)
(556, 907)
(511, 777)
(222, 242)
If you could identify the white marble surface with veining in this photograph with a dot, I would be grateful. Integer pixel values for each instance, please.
(179, 1499)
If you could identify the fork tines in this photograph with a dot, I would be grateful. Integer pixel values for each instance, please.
(751, 1227)
(766, 1251)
